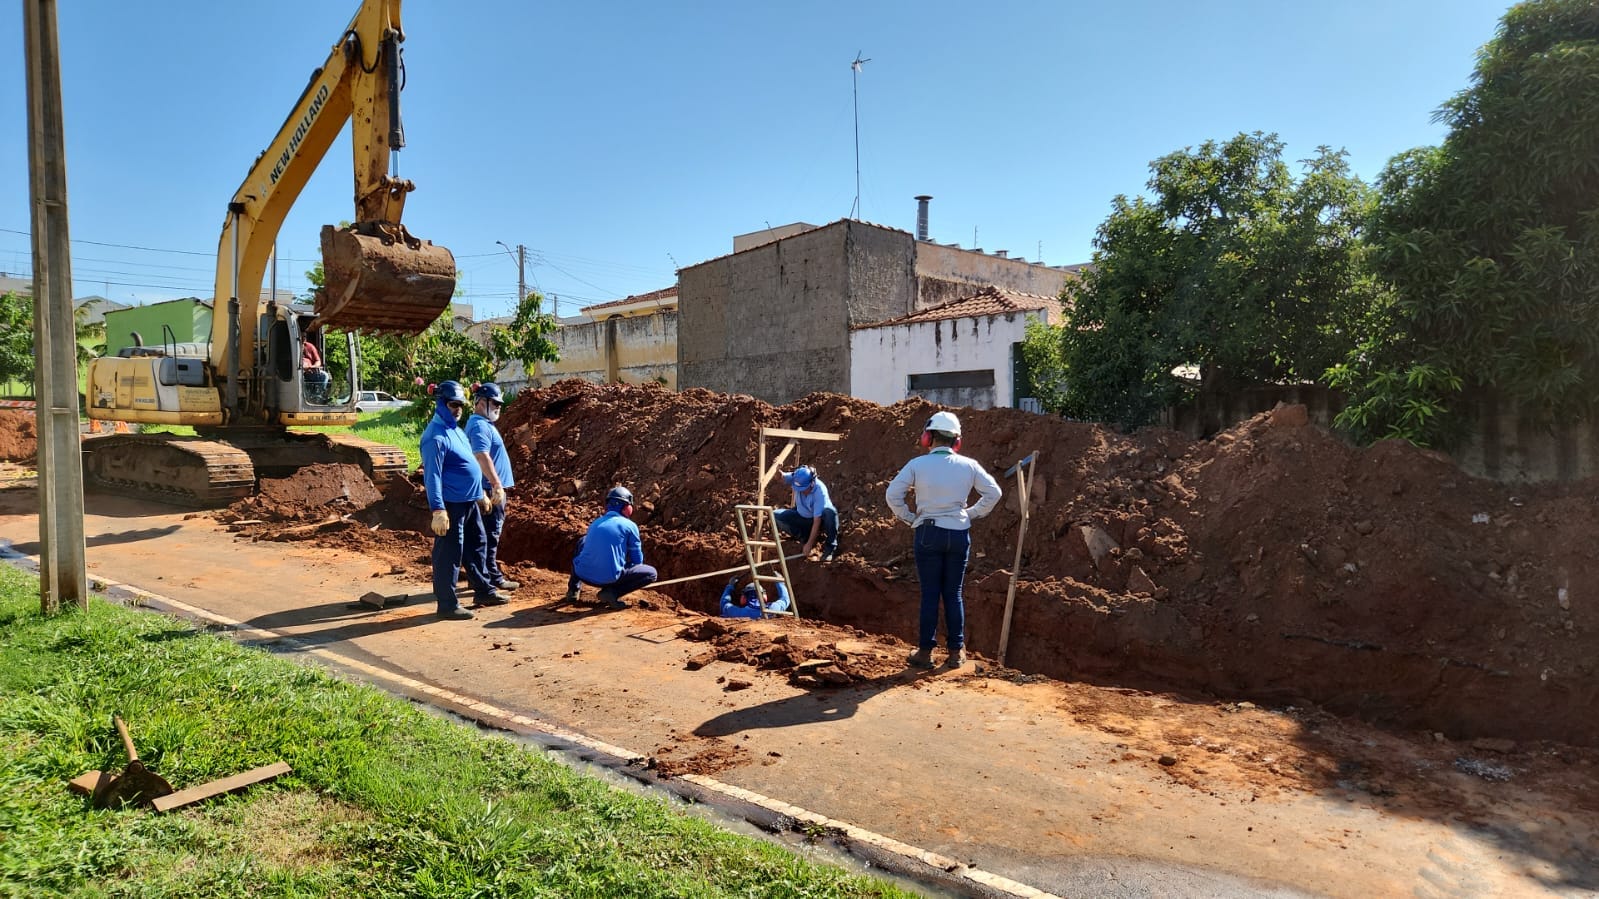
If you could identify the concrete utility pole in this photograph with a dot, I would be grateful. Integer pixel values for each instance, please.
(61, 549)
(520, 256)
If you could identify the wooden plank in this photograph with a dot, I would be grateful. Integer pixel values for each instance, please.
(799, 435)
(218, 787)
(86, 783)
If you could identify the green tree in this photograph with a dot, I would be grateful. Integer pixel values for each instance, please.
(16, 338)
(527, 339)
(1491, 241)
(442, 353)
(1046, 367)
(1233, 266)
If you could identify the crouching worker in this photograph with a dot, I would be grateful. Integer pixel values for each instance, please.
(749, 602)
(813, 517)
(611, 556)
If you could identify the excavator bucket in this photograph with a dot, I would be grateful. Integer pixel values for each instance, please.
(379, 278)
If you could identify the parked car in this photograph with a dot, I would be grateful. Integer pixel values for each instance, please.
(377, 400)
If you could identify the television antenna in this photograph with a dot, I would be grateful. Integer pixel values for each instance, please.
(855, 93)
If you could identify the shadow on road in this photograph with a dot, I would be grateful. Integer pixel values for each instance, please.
(336, 622)
(808, 708)
(32, 548)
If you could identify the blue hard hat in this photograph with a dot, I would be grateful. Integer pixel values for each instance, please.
(490, 392)
(753, 592)
(804, 477)
(618, 497)
(449, 392)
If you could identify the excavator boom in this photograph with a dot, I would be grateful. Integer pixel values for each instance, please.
(262, 371)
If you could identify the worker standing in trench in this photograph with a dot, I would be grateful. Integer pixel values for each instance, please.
(943, 480)
(489, 448)
(455, 493)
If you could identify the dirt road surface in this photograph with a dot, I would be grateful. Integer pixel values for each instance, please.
(1071, 789)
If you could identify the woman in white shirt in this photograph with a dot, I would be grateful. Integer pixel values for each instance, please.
(943, 480)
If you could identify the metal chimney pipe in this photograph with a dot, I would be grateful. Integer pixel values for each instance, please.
(921, 216)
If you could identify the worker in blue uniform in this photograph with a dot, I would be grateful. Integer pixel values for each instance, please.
(611, 555)
(455, 494)
(489, 449)
(748, 602)
(813, 517)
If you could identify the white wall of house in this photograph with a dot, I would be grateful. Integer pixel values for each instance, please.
(883, 358)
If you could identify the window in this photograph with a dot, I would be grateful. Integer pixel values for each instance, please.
(943, 380)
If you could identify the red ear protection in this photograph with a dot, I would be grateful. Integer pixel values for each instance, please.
(957, 444)
(927, 439)
(627, 511)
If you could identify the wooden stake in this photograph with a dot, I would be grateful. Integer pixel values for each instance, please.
(1020, 468)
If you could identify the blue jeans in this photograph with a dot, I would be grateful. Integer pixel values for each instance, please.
(493, 524)
(460, 546)
(941, 555)
(795, 525)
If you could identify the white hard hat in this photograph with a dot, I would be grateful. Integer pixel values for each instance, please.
(944, 421)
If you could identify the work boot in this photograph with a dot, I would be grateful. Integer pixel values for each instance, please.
(830, 555)
(571, 596)
(508, 585)
(610, 600)
(957, 658)
(455, 614)
(921, 658)
(491, 598)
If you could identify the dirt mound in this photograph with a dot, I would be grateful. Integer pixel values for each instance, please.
(19, 436)
(811, 656)
(311, 492)
(1273, 562)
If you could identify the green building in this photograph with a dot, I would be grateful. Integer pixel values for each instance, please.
(189, 320)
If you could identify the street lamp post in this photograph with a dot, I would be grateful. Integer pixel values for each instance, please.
(520, 258)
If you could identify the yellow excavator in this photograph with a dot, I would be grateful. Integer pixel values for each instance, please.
(255, 378)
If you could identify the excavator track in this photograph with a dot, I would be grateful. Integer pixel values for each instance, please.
(278, 454)
(201, 473)
(186, 471)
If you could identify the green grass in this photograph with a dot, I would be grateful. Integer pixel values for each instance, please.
(385, 799)
(390, 426)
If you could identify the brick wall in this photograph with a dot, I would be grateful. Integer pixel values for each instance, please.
(771, 322)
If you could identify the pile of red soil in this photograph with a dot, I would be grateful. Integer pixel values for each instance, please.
(1273, 562)
(311, 491)
(19, 436)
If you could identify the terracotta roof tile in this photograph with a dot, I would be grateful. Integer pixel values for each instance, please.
(986, 301)
(657, 296)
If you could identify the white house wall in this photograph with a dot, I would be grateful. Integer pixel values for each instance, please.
(882, 358)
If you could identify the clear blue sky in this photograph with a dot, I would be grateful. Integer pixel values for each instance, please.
(612, 139)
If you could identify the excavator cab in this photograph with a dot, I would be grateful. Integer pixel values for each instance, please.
(302, 387)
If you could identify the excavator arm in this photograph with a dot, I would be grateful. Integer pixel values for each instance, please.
(378, 277)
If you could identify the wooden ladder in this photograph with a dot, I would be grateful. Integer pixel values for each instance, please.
(754, 533)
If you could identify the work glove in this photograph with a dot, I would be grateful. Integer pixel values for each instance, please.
(484, 504)
(441, 522)
(498, 496)
(733, 581)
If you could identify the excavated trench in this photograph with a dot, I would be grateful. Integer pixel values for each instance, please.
(1273, 563)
